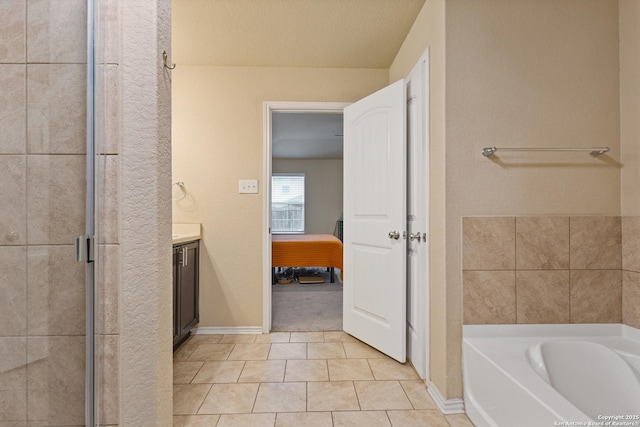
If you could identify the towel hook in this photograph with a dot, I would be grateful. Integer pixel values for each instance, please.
(165, 57)
(183, 190)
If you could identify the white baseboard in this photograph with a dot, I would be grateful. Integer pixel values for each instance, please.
(226, 330)
(446, 406)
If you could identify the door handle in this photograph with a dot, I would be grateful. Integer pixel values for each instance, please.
(417, 236)
(394, 235)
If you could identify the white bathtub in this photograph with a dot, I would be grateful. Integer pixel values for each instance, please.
(551, 375)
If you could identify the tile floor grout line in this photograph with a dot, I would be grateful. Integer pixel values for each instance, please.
(205, 398)
(407, 395)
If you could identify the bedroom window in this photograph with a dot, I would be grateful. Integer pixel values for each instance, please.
(287, 203)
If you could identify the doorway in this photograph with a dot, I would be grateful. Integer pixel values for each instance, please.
(303, 181)
(415, 228)
(292, 154)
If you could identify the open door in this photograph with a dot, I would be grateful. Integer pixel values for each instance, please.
(375, 244)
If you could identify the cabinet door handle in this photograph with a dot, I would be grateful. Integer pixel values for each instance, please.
(184, 257)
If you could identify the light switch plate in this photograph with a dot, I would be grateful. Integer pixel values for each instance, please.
(248, 186)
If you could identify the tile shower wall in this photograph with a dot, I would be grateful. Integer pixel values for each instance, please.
(546, 269)
(42, 188)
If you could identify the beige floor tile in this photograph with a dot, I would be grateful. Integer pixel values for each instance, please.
(183, 352)
(388, 369)
(307, 337)
(358, 350)
(257, 371)
(332, 396)
(381, 395)
(238, 338)
(204, 339)
(229, 399)
(247, 420)
(306, 370)
(281, 397)
(219, 372)
(306, 419)
(418, 395)
(187, 398)
(250, 352)
(327, 350)
(420, 418)
(183, 372)
(288, 351)
(361, 418)
(458, 420)
(338, 336)
(195, 420)
(349, 370)
(273, 337)
(211, 352)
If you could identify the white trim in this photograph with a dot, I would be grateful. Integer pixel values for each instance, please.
(426, 113)
(268, 108)
(420, 72)
(446, 406)
(227, 330)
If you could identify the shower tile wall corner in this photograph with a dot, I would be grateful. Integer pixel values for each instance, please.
(42, 185)
(567, 269)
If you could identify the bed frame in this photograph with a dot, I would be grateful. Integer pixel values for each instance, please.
(306, 250)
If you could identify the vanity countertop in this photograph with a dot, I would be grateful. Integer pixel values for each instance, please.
(181, 233)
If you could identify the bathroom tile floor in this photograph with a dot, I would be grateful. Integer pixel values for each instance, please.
(311, 379)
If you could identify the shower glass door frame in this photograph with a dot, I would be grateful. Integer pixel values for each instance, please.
(90, 229)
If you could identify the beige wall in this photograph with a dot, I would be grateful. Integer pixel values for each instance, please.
(516, 74)
(217, 140)
(630, 152)
(630, 105)
(323, 190)
(522, 74)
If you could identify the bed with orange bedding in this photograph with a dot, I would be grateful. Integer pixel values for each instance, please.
(306, 250)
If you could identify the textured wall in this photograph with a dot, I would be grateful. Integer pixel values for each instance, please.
(145, 216)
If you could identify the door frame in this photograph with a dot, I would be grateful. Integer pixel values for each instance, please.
(268, 108)
(421, 70)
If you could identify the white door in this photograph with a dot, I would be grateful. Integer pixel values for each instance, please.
(417, 218)
(375, 244)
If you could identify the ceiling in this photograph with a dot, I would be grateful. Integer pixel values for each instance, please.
(291, 33)
(306, 135)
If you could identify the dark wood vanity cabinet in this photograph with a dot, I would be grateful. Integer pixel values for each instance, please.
(185, 290)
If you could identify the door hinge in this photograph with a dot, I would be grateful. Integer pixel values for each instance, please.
(84, 248)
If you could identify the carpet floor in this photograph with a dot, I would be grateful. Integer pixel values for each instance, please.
(307, 307)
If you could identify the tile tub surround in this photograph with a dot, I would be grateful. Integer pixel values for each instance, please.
(292, 379)
(549, 269)
(631, 271)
